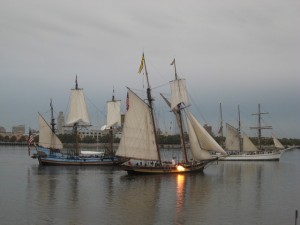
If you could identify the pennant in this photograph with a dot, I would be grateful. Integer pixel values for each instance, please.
(142, 64)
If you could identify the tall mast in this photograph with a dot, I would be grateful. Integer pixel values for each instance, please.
(180, 121)
(52, 118)
(239, 129)
(221, 126)
(150, 100)
(260, 127)
(75, 127)
(111, 129)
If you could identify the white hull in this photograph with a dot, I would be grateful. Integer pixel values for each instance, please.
(273, 156)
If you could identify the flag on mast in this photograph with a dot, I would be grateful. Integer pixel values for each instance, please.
(142, 64)
(30, 140)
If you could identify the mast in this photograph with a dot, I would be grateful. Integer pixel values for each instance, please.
(52, 118)
(111, 129)
(239, 129)
(260, 127)
(75, 126)
(77, 113)
(52, 123)
(221, 126)
(150, 100)
(180, 121)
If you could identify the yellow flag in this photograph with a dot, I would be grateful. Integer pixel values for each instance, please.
(142, 64)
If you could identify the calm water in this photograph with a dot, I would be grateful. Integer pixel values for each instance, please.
(226, 193)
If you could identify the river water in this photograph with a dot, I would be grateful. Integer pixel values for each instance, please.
(226, 193)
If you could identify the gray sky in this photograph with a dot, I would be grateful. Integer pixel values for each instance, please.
(233, 52)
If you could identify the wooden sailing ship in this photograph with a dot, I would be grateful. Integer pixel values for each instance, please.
(50, 148)
(139, 139)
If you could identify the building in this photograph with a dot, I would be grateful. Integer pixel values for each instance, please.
(60, 123)
(2, 130)
(208, 128)
(18, 130)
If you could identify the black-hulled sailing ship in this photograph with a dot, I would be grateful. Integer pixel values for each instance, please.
(50, 148)
(139, 136)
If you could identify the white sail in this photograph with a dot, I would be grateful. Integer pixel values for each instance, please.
(77, 109)
(196, 150)
(248, 145)
(232, 141)
(179, 93)
(47, 138)
(113, 113)
(277, 143)
(201, 141)
(138, 136)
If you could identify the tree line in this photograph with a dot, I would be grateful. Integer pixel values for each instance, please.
(162, 139)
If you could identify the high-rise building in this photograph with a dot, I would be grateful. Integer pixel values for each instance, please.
(60, 123)
(20, 129)
(208, 128)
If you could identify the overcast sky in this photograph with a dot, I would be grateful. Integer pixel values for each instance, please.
(234, 52)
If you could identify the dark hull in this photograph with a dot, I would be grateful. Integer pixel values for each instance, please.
(170, 169)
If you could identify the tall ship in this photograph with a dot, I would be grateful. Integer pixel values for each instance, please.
(50, 148)
(240, 147)
(139, 140)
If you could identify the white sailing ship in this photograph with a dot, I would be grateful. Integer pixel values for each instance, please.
(241, 148)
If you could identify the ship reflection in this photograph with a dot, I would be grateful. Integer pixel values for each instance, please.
(180, 193)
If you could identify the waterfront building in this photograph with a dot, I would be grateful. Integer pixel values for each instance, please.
(2, 130)
(19, 129)
(60, 123)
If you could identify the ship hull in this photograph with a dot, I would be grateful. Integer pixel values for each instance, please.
(58, 159)
(79, 161)
(272, 156)
(166, 169)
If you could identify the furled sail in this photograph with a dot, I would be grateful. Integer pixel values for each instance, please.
(248, 145)
(232, 141)
(77, 109)
(47, 138)
(113, 113)
(201, 141)
(179, 93)
(138, 136)
(277, 143)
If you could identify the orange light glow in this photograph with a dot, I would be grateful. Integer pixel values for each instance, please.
(180, 168)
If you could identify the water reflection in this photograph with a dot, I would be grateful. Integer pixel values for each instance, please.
(180, 194)
(138, 197)
(226, 193)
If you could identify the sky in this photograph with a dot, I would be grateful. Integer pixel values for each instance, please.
(230, 52)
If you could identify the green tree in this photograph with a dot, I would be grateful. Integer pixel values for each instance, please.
(13, 138)
(6, 138)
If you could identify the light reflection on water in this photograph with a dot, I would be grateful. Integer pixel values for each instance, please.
(226, 193)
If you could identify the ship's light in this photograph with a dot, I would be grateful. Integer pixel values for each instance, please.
(180, 168)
